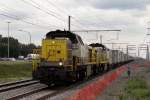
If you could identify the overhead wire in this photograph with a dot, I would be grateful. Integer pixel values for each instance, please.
(38, 6)
(58, 16)
(44, 8)
(47, 12)
(27, 22)
(54, 5)
(78, 22)
(6, 13)
(60, 10)
(74, 16)
(83, 24)
(76, 19)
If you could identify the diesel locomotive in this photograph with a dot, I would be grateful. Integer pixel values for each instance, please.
(64, 57)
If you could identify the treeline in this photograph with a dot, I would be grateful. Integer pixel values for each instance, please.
(16, 48)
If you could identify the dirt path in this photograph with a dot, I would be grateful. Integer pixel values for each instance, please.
(139, 69)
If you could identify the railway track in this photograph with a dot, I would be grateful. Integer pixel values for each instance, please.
(43, 92)
(72, 86)
(50, 92)
(26, 94)
(40, 93)
(15, 85)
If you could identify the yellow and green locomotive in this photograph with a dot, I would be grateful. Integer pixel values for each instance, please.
(64, 57)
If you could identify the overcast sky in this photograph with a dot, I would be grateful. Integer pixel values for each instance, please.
(41, 16)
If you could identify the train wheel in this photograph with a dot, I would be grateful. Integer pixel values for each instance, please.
(94, 70)
(86, 76)
(33, 75)
(108, 67)
(82, 75)
(102, 68)
(78, 75)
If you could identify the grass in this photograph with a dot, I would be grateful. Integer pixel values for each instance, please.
(14, 70)
(136, 89)
(136, 83)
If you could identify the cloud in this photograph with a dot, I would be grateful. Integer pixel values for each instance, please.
(106, 4)
(129, 15)
(120, 4)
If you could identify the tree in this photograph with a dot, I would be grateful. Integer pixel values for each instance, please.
(16, 48)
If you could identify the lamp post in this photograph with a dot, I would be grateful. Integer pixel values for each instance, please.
(148, 45)
(147, 53)
(8, 39)
(145, 48)
(28, 34)
(130, 47)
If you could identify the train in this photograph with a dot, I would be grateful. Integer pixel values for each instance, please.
(65, 58)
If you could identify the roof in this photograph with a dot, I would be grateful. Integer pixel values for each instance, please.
(59, 33)
(97, 45)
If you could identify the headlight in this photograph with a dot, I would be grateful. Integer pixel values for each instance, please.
(60, 63)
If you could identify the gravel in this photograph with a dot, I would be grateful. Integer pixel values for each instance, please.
(12, 93)
(38, 95)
